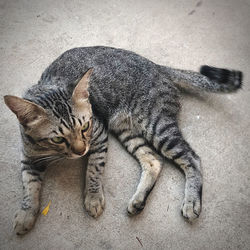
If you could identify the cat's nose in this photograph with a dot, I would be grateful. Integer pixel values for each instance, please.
(79, 148)
(78, 152)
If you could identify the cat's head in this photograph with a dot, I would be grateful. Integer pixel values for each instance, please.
(57, 125)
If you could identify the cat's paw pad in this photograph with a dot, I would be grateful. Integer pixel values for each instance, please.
(94, 204)
(136, 205)
(191, 209)
(24, 221)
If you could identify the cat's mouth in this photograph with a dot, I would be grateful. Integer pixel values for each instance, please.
(73, 156)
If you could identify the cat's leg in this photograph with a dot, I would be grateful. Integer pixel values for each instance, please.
(25, 217)
(150, 163)
(94, 197)
(167, 140)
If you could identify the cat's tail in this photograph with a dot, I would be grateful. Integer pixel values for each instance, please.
(209, 79)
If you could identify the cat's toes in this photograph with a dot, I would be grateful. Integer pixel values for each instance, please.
(136, 205)
(191, 209)
(94, 204)
(24, 221)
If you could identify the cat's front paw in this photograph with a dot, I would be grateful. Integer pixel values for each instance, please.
(24, 221)
(94, 204)
(191, 208)
(136, 205)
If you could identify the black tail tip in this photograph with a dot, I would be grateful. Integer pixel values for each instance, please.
(230, 78)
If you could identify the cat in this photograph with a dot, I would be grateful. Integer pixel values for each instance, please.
(90, 91)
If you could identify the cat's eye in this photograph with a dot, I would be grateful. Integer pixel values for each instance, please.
(85, 127)
(57, 139)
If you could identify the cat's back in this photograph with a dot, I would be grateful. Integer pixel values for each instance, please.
(119, 77)
(110, 65)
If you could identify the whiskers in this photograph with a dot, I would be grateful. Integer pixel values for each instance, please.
(57, 160)
(47, 159)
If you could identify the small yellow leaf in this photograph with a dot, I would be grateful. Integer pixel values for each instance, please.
(46, 209)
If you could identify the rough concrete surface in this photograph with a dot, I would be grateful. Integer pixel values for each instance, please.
(183, 34)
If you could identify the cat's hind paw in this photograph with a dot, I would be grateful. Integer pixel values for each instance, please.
(94, 204)
(24, 220)
(136, 205)
(191, 209)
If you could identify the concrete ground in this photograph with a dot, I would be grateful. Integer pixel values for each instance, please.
(184, 34)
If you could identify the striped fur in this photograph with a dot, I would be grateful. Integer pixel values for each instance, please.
(127, 95)
(94, 198)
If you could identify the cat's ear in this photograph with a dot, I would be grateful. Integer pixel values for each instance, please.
(80, 93)
(28, 113)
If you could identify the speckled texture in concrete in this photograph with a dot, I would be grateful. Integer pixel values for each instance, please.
(183, 34)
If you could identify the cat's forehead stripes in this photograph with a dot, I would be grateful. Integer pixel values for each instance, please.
(66, 125)
(73, 120)
(80, 121)
(64, 110)
(65, 128)
(61, 130)
(57, 102)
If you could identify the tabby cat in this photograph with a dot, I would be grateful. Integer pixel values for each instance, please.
(88, 92)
